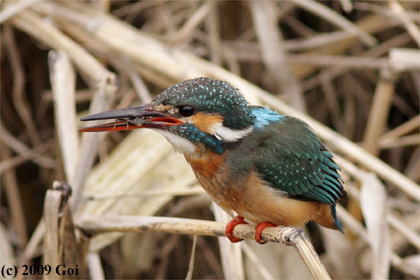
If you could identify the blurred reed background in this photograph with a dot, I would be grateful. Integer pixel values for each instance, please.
(349, 66)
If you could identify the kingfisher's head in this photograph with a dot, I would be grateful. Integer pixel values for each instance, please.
(201, 111)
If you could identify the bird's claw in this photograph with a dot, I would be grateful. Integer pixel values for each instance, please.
(240, 220)
(258, 230)
(231, 225)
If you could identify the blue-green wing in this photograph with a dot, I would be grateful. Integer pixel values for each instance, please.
(292, 159)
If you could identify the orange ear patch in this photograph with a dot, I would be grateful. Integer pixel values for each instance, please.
(207, 122)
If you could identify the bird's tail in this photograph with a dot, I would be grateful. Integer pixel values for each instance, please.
(328, 218)
(337, 222)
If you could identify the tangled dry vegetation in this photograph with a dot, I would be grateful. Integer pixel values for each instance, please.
(348, 68)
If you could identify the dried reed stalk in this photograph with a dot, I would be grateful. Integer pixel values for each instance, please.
(63, 81)
(51, 211)
(60, 243)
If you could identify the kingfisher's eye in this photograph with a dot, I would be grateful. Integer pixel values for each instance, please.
(186, 111)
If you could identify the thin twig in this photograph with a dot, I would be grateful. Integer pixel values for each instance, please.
(192, 258)
(12, 10)
(136, 80)
(378, 115)
(178, 192)
(407, 232)
(402, 129)
(273, 53)
(20, 78)
(214, 41)
(187, 30)
(303, 246)
(330, 60)
(347, 5)
(402, 60)
(331, 98)
(13, 197)
(412, 140)
(134, 8)
(230, 253)
(379, 50)
(357, 228)
(361, 175)
(400, 13)
(333, 17)
(382, 9)
(300, 28)
(265, 273)
(22, 158)
(20, 148)
(96, 270)
(38, 28)
(34, 243)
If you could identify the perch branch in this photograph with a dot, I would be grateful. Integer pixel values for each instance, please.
(288, 236)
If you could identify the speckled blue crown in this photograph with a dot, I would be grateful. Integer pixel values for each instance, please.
(212, 96)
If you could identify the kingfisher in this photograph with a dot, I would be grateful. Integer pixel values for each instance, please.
(271, 169)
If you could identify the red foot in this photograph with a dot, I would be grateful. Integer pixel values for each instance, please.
(231, 225)
(259, 228)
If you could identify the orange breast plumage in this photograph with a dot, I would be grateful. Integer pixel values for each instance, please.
(251, 197)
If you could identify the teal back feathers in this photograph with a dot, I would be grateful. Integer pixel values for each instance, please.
(291, 158)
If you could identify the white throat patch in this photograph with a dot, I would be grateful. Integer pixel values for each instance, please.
(231, 135)
(180, 144)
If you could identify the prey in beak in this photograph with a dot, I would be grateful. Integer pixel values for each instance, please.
(129, 118)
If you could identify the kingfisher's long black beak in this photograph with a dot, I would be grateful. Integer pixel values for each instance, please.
(132, 117)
